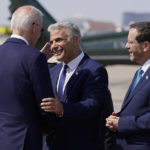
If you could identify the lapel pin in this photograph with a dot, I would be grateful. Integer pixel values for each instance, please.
(77, 73)
(146, 77)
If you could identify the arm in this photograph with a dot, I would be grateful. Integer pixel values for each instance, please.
(39, 76)
(134, 124)
(40, 79)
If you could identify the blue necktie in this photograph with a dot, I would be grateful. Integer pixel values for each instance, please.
(61, 82)
(136, 80)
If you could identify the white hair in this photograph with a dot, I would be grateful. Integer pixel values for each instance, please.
(70, 27)
(25, 16)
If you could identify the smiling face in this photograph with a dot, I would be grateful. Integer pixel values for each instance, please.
(62, 46)
(135, 49)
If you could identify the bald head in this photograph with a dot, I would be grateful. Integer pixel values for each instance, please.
(24, 17)
(27, 22)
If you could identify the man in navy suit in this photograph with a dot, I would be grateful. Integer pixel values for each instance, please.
(84, 93)
(132, 123)
(24, 81)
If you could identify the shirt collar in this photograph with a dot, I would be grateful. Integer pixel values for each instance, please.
(75, 62)
(19, 37)
(146, 65)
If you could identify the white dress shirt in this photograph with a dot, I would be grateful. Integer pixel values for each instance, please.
(72, 66)
(145, 66)
(19, 37)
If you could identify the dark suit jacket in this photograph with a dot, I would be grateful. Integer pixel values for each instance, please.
(83, 102)
(24, 81)
(134, 123)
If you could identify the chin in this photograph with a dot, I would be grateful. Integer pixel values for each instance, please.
(131, 58)
(59, 58)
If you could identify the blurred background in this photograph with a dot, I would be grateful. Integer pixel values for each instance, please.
(104, 26)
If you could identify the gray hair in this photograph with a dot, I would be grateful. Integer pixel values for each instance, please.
(70, 27)
(25, 16)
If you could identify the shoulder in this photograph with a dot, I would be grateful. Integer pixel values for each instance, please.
(32, 56)
(92, 64)
(32, 53)
(55, 68)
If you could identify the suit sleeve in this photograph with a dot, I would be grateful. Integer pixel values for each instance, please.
(92, 96)
(39, 75)
(40, 78)
(134, 123)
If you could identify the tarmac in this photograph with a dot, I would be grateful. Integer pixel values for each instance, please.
(120, 77)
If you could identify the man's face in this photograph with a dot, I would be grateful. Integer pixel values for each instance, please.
(61, 46)
(135, 49)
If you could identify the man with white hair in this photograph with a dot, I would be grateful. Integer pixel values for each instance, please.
(24, 81)
(81, 86)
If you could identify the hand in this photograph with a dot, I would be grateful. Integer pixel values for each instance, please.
(46, 50)
(52, 105)
(112, 122)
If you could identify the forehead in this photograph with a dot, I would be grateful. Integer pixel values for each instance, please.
(132, 33)
(58, 33)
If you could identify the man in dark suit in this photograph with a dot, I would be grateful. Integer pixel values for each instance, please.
(80, 102)
(132, 123)
(24, 81)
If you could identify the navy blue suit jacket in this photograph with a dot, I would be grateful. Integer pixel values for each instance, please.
(83, 102)
(134, 123)
(24, 81)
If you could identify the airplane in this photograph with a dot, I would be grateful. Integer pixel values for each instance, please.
(106, 48)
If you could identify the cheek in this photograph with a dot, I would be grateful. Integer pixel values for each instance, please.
(135, 49)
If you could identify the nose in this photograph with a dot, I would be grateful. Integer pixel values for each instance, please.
(54, 46)
(127, 45)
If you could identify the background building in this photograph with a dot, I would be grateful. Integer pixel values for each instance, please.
(130, 17)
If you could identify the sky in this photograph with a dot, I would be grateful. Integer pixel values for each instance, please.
(99, 10)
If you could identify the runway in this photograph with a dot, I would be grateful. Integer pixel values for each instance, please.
(120, 77)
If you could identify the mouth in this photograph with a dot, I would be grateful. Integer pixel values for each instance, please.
(57, 51)
(130, 52)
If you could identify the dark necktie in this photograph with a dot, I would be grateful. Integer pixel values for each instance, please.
(61, 82)
(136, 80)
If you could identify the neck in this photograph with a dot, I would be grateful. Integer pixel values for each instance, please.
(25, 34)
(73, 57)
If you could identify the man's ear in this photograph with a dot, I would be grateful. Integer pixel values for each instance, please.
(75, 38)
(34, 28)
(146, 46)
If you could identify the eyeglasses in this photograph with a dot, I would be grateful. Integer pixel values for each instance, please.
(42, 29)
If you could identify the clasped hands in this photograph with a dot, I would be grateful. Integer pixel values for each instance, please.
(112, 122)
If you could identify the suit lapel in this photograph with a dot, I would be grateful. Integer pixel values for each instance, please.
(70, 85)
(127, 97)
(139, 86)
